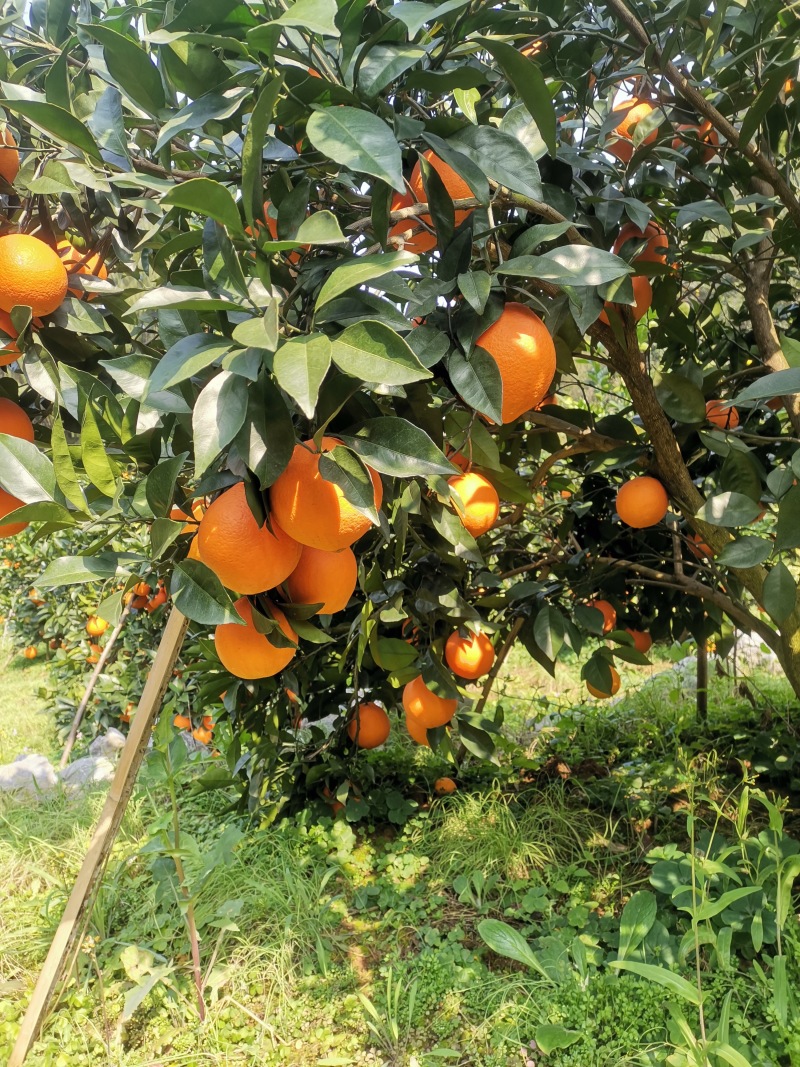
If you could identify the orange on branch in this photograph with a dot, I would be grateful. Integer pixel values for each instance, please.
(203, 735)
(246, 557)
(31, 274)
(9, 156)
(444, 785)
(642, 502)
(369, 727)
(314, 511)
(425, 707)
(457, 188)
(521, 346)
(326, 578)
(642, 641)
(9, 503)
(182, 722)
(608, 611)
(415, 236)
(721, 414)
(654, 251)
(248, 654)
(96, 626)
(480, 504)
(14, 421)
(78, 262)
(642, 297)
(599, 693)
(30, 652)
(469, 657)
(632, 112)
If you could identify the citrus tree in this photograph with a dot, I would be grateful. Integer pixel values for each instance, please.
(401, 332)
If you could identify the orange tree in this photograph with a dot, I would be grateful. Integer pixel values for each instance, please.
(301, 276)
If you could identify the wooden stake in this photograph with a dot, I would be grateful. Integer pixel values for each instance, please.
(76, 722)
(80, 900)
(702, 680)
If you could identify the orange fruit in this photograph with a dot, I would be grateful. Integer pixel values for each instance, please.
(129, 710)
(642, 502)
(182, 722)
(326, 578)
(469, 657)
(642, 297)
(614, 687)
(481, 504)
(444, 785)
(655, 251)
(208, 722)
(190, 521)
(203, 735)
(96, 626)
(314, 511)
(139, 602)
(194, 549)
(11, 353)
(531, 50)
(631, 113)
(96, 649)
(155, 602)
(9, 157)
(417, 732)
(642, 641)
(705, 133)
(9, 503)
(718, 412)
(31, 274)
(608, 612)
(424, 707)
(142, 589)
(291, 696)
(14, 421)
(30, 652)
(416, 238)
(699, 548)
(248, 654)
(244, 556)
(369, 727)
(94, 265)
(522, 348)
(457, 188)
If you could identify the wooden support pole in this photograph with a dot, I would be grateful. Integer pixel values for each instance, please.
(76, 722)
(82, 895)
(702, 680)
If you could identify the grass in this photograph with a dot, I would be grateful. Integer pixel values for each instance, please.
(24, 727)
(324, 944)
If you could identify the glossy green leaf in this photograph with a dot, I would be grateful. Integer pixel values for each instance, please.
(359, 141)
(63, 467)
(197, 113)
(160, 484)
(745, 551)
(528, 80)
(76, 570)
(130, 67)
(501, 157)
(163, 533)
(787, 534)
(729, 509)
(551, 1036)
(267, 439)
(100, 469)
(780, 383)
(570, 265)
(346, 470)
(252, 152)
(359, 271)
(508, 942)
(300, 366)
(25, 471)
(186, 358)
(396, 447)
(475, 286)
(780, 593)
(636, 921)
(373, 352)
(199, 594)
(218, 415)
(549, 630)
(477, 381)
(206, 197)
(681, 399)
(52, 119)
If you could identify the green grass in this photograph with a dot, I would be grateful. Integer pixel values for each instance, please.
(24, 724)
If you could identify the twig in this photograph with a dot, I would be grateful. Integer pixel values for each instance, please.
(498, 663)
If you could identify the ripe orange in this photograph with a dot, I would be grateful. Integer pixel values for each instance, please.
(190, 521)
(444, 785)
(247, 653)
(208, 722)
(481, 504)
(326, 578)
(642, 502)
(201, 734)
(94, 265)
(699, 548)
(655, 251)
(416, 238)
(9, 503)
(314, 511)
(705, 133)
(631, 113)
(457, 188)
(9, 157)
(139, 602)
(642, 641)
(31, 274)
(194, 550)
(642, 296)
(531, 50)
(718, 412)
(30, 652)
(14, 421)
(142, 589)
(369, 727)
(615, 683)
(469, 657)
(244, 556)
(608, 611)
(523, 350)
(424, 707)
(271, 224)
(11, 353)
(96, 626)
(129, 710)
(182, 722)
(155, 602)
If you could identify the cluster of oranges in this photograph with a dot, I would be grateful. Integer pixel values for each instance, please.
(204, 733)
(142, 597)
(642, 642)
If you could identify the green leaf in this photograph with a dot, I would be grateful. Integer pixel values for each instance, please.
(315, 16)
(197, 113)
(501, 157)
(528, 80)
(373, 352)
(52, 119)
(179, 297)
(709, 908)
(787, 534)
(63, 467)
(471, 438)
(729, 509)
(745, 551)
(100, 470)
(780, 593)
(681, 399)
(359, 141)
(548, 631)
(396, 447)
(320, 228)
(206, 197)
(415, 15)
(636, 921)
(550, 1036)
(359, 271)
(570, 265)
(266, 440)
(252, 152)
(130, 67)
(477, 381)
(711, 210)
(43, 511)
(163, 533)
(159, 485)
(506, 941)
(199, 594)
(477, 741)
(475, 287)
(346, 470)
(780, 383)
(222, 269)
(385, 63)
(186, 358)
(757, 111)
(218, 415)
(661, 976)
(300, 366)
(75, 570)
(132, 374)
(25, 472)
(107, 125)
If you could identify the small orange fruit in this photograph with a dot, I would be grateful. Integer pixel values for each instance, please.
(469, 657)
(201, 734)
(245, 556)
(9, 503)
(698, 547)
(155, 602)
(30, 652)
(326, 578)
(642, 641)
(182, 722)
(9, 156)
(312, 510)
(632, 112)
(642, 502)
(96, 626)
(457, 188)
(248, 654)
(705, 133)
(208, 722)
(608, 611)
(369, 727)
(94, 265)
(722, 414)
(31, 274)
(444, 785)
(425, 707)
(190, 521)
(142, 589)
(14, 421)
(521, 346)
(615, 683)
(642, 300)
(480, 504)
(655, 251)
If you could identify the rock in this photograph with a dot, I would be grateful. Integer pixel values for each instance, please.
(751, 652)
(108, 745)
(86, 772)
(32, 774)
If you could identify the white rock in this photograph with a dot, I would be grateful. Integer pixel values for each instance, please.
(87, 771)
(108, 744)
(752, 652)
(32, 773)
